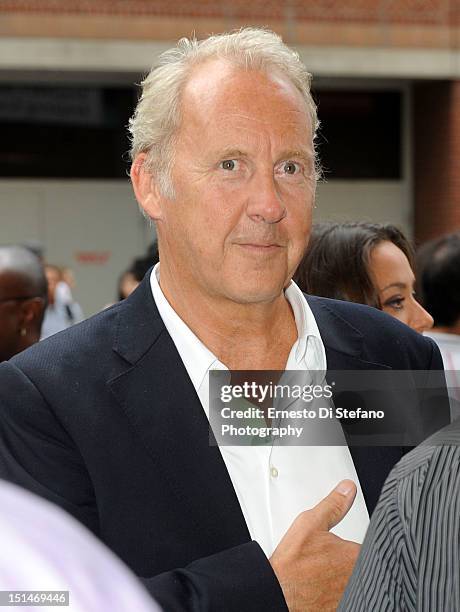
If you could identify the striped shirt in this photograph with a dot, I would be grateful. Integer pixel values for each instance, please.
(410, 556)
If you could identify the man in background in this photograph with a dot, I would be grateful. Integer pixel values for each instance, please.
(438, 272)
(23, 293)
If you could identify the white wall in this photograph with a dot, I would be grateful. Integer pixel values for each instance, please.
(94, 227)
(377, 201)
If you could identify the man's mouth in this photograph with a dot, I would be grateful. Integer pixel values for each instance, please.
(263, 247)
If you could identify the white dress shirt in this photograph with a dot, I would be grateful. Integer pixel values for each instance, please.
(273, 483)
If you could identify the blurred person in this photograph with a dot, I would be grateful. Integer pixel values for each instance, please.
(64, 294)
(126, 284)
(62, 310)
(45, 549)
(410, 558)
(438, 273)
(68, 277)
(23, 294)
(113, 418)
(131, 278)
(367, 263)
(141, 265)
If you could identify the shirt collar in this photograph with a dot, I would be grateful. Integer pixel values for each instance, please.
(307, 330)
(198, 359)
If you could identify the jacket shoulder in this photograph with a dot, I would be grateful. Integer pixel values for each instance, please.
(382, 334)
(82, 346)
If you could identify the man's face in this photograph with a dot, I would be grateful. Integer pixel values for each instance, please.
(10, 314)
(244, 183)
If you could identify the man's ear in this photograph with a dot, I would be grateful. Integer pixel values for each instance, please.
(145, 188)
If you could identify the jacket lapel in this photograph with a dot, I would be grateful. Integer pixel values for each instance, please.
(162, 406)
(342, 341)
(344, 348)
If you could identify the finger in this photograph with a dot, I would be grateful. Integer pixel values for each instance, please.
(331, 510)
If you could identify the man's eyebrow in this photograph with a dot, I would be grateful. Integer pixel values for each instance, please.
(299, 153)
(231, 152)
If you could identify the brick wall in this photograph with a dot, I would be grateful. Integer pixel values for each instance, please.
(391, 23)
(436, 115)
(402, 11)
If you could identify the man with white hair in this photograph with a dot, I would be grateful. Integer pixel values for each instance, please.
(23, 291)
(115, 428)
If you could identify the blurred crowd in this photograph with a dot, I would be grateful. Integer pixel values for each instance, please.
(37, 297)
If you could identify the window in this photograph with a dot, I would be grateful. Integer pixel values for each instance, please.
(66, 132)
(360, 134)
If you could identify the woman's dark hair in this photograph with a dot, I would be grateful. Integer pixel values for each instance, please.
(438, 267)
(336, 263)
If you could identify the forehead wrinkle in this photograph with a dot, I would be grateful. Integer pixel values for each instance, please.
(211, 90)
(260, 128)
(259, 117)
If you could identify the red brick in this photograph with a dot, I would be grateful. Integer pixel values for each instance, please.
(436, 129)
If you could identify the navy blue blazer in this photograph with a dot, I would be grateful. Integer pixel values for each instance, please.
(103, 420)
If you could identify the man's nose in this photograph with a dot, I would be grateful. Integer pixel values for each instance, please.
(265, 203)
(421, 319)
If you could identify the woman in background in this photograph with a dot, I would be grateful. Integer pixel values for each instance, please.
(367, 263)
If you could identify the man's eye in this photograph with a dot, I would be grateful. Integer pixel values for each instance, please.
(291, 167)
(228, 164)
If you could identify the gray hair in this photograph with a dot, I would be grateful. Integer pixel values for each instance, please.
(157, 115)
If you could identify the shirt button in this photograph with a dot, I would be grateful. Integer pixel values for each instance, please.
(274, 472)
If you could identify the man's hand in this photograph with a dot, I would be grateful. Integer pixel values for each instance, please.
(312, 565)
